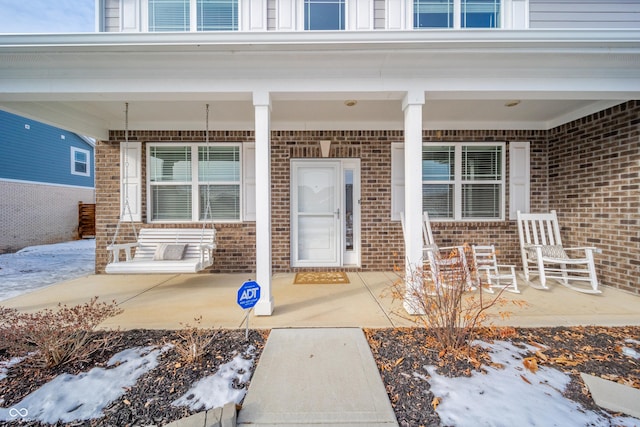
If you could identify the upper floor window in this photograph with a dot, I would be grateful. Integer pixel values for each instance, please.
(443, 13)
(193, 15)
(80, 162)
(433, 13)
(324, 14)
(480, 13)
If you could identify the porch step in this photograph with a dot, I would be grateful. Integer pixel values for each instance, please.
(319, 377)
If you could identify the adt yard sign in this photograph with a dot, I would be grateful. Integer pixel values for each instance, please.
(248, 294)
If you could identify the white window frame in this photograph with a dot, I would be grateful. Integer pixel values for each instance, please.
(301, 17)
(195, 183)
(458, 182)
(87, 153)
(193, 15)
(457, 18)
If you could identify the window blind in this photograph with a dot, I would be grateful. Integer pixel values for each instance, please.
(169, 15)
(217, 15)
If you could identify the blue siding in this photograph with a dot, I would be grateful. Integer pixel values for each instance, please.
(34, 151)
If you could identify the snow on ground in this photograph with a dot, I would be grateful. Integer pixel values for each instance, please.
(512, 395)
(82, 397)
(37, 266)
(216, 390)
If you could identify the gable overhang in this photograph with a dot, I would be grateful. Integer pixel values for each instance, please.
(470, 78)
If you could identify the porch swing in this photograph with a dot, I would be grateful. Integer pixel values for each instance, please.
(162, 250)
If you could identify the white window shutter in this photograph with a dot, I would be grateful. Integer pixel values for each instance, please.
(249, 172)
(131, 180)
(519, 177)
(397, 180)
(130, 16)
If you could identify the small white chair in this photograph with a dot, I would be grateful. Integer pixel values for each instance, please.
(543, 254)
(497, 275)
(447, 265)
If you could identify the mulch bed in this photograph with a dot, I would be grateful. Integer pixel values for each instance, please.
(398, 353)
(148, 402)
(592, 350)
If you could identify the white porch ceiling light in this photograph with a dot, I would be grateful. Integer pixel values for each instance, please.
(350, 102)
(325, 148)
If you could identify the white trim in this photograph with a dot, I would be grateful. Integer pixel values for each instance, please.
(262, 117)
(22, 181)
(458, 181)
(194, 183)
(87, 153)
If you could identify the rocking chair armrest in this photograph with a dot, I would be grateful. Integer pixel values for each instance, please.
(585, 248)
(459, 248)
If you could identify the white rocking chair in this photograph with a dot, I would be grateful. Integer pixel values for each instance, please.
(447, 265)
(497, 275)
(543, 254)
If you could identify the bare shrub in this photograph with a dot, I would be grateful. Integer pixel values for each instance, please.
(447, 306)
(56, 337)
(193, 341)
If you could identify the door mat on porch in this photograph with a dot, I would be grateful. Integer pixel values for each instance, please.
(321, 278)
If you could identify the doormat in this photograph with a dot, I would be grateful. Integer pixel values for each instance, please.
(321, 278)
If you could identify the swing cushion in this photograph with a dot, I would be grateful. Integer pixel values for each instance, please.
(170, 252)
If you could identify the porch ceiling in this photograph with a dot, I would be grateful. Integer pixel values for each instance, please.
(81, 83)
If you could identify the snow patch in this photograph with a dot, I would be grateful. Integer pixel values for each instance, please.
(68, 397)
(218, 389)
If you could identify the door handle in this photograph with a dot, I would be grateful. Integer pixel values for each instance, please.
(337, 213)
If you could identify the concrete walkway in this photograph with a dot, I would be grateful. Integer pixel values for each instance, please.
(318, 377)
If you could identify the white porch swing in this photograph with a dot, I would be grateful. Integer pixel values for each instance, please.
(162, 250)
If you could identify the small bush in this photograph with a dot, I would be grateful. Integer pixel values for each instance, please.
(453, 312)
(193, 341)
(55, 337)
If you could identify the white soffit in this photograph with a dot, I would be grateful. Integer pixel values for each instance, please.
(80, 82)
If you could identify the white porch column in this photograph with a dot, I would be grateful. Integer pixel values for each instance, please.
(262, 106)
(412, 107)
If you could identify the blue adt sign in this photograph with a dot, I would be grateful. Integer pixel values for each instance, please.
(248, 294)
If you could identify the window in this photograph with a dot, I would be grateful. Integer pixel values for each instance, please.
(80, 162)
(324, 14)
(217, 15)
(181, 189)
(169, 15)
(443, 13)
(480, 13)
(463, 181)
(193, 15)
(433, 14)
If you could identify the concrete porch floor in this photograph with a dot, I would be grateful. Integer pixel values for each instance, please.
(169, 301)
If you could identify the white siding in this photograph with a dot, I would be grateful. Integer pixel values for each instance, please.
(584, 13)
(378, 15)
(271, 15)
(111, 15)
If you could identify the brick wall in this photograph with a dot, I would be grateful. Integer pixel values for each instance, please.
(38, 214)
(236, 242)
(594, 184)
(382, 244)
(381, 239)
(588, 170)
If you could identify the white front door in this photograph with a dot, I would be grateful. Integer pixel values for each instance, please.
(321, 234)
